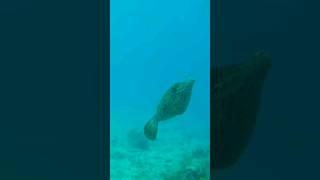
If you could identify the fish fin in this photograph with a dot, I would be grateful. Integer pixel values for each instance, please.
(151, 129)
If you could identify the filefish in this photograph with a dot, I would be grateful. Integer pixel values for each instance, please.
(173, 103)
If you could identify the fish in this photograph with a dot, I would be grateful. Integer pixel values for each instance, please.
(235, 92)
(174, 102)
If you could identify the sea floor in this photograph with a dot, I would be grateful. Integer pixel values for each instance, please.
(175, 155)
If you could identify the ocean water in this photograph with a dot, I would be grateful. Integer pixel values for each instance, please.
(155, 44)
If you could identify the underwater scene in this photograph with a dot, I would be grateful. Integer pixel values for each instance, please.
(160, 90)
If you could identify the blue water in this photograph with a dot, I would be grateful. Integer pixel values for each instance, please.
(286, 142)
(155, 44)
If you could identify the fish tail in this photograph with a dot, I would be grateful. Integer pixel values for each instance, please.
(151, 129)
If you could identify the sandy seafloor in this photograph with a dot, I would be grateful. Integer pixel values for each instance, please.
(178, 153)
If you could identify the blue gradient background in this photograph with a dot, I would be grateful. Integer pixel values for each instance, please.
(155, 44)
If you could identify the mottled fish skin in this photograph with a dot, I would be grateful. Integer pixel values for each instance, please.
(235, 99)
(174, 102)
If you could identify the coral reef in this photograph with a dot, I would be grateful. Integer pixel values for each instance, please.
(171, 157)
(194, 166)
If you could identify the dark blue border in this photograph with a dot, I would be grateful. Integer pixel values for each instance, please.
(104, 89)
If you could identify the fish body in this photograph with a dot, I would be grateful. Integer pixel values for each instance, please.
(173, 103)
